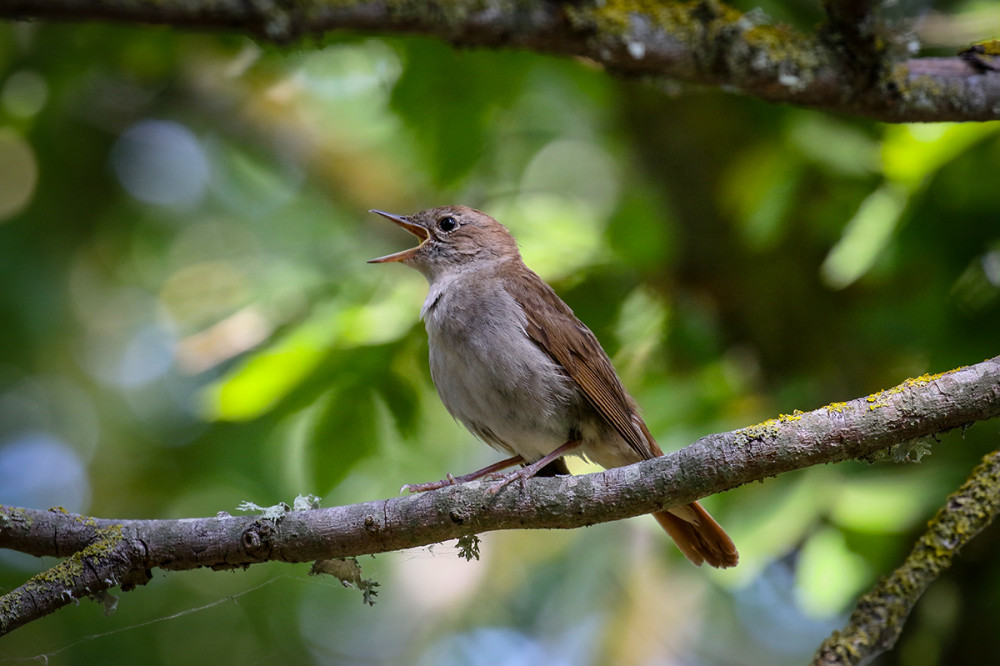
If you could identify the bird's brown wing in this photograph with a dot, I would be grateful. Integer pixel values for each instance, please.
(553, 327)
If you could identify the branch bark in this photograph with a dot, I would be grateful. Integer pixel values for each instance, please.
(878, 620)
(865, 428)
(700, 42)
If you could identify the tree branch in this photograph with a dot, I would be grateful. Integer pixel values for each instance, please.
(108, 561)
(852, 29)
(699, 42)
(863, 428)
(878, 620)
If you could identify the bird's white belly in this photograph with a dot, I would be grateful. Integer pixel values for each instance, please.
(497, 382)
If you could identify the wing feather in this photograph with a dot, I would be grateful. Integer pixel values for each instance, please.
(553, 326)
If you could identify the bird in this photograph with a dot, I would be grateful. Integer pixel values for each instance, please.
(514, 365)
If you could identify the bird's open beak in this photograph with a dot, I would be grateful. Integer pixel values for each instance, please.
(413, 228)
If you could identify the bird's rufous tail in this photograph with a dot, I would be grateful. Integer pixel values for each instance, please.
(699, 537)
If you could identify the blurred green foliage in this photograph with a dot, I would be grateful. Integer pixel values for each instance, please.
(189, 323)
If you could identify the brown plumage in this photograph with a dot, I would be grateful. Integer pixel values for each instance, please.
(513, 363)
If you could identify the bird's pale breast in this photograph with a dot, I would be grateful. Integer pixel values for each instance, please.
(493, 378)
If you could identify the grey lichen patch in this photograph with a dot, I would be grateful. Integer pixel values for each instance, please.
(912, 451)
(348, 572)
(306, 502)
(274, 513)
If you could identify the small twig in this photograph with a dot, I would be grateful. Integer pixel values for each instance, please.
(880, 615)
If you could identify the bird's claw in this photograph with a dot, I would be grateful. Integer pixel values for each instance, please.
(424, 487)
(503, 480)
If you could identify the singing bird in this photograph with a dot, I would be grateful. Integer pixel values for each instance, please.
(515, 366)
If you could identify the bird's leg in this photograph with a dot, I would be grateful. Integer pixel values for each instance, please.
(529, 471)
(452, 480)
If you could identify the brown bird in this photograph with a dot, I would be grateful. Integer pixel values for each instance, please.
(515, 366)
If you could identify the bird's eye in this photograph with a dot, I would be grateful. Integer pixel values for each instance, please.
(447, 223)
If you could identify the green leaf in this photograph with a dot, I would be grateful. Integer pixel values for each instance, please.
(402, 397)
(344, 432)
(449, 99)
(912, 153)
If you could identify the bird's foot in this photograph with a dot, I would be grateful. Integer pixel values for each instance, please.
(531, 470)
(503, 480)
(487, 471)
(433, 485)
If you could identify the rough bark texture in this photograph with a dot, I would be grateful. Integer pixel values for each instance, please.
(878, 619)
(849, 65)
(123, 551)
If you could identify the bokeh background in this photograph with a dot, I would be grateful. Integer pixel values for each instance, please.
(188, 322)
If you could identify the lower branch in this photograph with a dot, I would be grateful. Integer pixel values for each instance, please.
(109, 561)
(878, 620)
(870, 427)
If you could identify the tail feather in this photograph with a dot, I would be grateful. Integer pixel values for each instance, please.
(698, 536)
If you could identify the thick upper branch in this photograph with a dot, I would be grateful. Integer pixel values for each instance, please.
(701, 42)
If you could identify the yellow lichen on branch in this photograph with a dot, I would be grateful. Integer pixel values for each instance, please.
(881, 398)
(878, 619)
